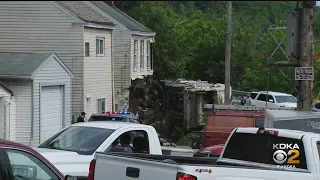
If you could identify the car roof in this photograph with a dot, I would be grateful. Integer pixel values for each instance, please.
(109, 124)
(273, 93)
(8, 143)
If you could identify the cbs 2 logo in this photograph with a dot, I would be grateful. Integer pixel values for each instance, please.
(280, 156)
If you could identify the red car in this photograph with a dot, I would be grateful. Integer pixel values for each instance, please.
(20, 162)
(211, 151)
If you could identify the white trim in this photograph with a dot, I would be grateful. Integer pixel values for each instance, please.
(104, 42)
(65, 10)
(139, 33)
(135, 54)
(52, 56)
(101, 26)
(142, 56)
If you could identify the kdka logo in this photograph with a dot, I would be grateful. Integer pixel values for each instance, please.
(286, 154)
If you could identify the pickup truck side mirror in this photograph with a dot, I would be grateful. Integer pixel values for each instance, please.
(68, 177)
(271, 100)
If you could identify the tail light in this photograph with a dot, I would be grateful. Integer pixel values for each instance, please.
(184, 176)
(91, 169)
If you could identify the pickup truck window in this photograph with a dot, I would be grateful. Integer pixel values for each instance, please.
(261, 148)
(253, 95)
(22, 162)
(139, 141)
(80, 139)
(262, 97)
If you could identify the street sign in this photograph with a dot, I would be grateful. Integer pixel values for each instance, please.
(304, 73)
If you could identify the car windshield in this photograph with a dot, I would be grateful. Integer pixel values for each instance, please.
(286, 99)
(83, 140)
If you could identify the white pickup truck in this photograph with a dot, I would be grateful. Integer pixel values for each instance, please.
(72, 149)
(249, 154)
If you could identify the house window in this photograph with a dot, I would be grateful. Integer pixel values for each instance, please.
(148, 56)
(135, 55)
(87, 49)
(100, 46)
(101, 105)
(151, 56)
(141, 54)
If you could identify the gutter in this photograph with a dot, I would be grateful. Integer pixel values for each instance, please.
(112, 71)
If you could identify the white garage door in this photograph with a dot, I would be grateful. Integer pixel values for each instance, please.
(51, 111)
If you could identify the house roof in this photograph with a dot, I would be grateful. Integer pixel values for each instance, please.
(6, 88)
(122, 17)
(84, 12)
(24, 65)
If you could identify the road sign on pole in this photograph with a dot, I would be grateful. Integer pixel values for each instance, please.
(304, 73)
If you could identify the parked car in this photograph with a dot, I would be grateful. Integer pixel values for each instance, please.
(72, 149)
(20, 162)
(273, 99)
(250, 153)
(122, 116)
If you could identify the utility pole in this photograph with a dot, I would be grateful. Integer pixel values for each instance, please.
(306, 53)
(227, 92)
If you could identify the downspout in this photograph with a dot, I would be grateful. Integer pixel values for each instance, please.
(112, 70)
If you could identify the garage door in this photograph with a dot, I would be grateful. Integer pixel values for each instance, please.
(51, 111)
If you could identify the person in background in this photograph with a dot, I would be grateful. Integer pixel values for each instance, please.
(81, 117)
(248, 100)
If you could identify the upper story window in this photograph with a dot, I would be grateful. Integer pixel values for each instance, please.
(141, 54)
(148, 56)
(86, 50)
(135, 55)
(100, 46)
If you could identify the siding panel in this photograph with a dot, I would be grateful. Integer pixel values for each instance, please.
(98, 70)
(121, 57)
(51, 73)
(20, 110)
(39, 26)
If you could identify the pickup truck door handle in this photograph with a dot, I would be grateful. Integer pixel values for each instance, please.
(133, 172)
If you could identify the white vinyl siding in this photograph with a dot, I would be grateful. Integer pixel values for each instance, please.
(100, 46)
(39, 26)
(142, 55)
(52, 74)
(143, 70)
(21, 110)
(98, 69)
(122, 67)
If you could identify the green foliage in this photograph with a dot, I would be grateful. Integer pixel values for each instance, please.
(190, 41)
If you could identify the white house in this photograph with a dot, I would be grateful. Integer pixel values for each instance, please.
(132, 50)
(35, 96)
(80, 36)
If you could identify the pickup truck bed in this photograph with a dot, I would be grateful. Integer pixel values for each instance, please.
(248, 155)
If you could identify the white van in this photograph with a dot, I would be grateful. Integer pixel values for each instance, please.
(273, 99)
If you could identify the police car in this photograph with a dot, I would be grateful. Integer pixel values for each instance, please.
(122, 116)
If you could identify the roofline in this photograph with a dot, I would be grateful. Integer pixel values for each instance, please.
(67, 11)
(4, 76)
(54, 56)
(101, 26)
(129, 17)
(140, 33)
(6, 88)
(103, 13)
